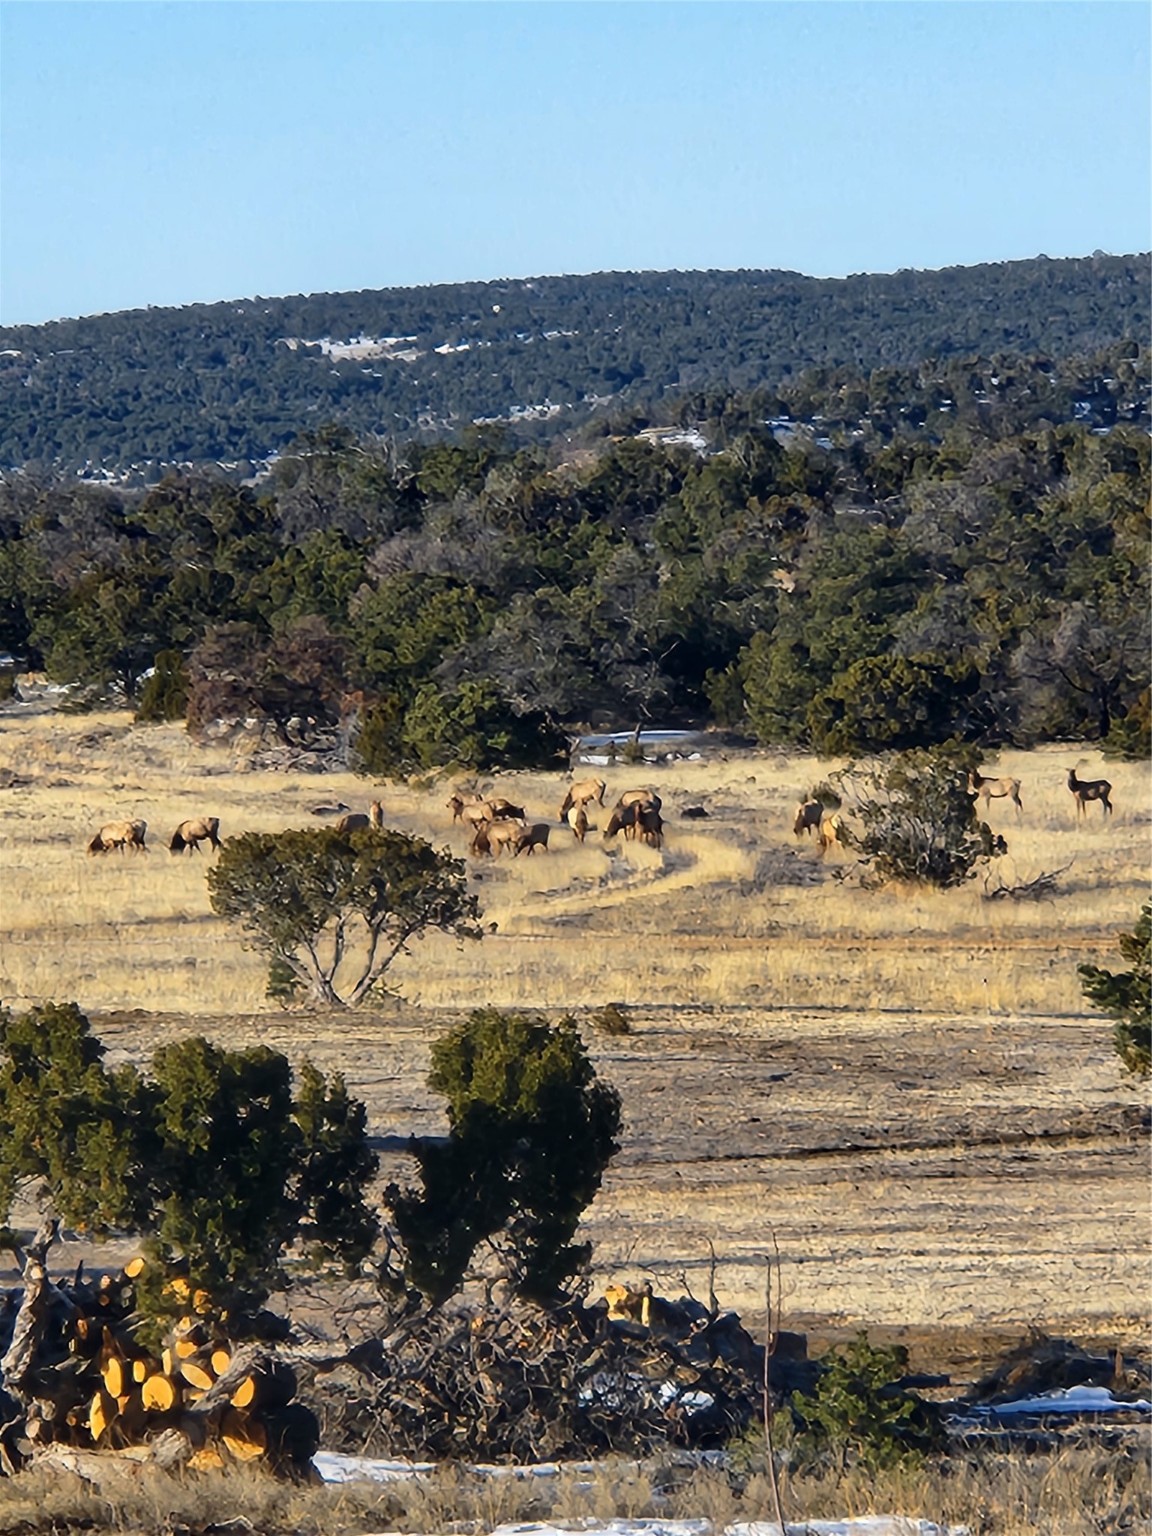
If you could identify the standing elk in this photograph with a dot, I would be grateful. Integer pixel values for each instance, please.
(357, 821)
(533, 837)
(638, 819)
(493, 837)
(577, 819)
(190, 834)
(458, 802)
(830, 831)
(986, 789)
(809, 814)
(639, 797)
(582, 794)
(120, 835)
(1089, 789)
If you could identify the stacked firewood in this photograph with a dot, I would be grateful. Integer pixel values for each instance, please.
(196, 1399)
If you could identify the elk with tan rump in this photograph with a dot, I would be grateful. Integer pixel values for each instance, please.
(494, 836)
(119, 835)
(980, 787)
(1089, 789)
(582, 794)
(190, 834)
(637, 819)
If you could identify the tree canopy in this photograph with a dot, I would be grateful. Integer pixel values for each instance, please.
(207, 1153)
(334, 909)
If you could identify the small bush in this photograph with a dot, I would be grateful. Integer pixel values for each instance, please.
(916, 818)
(612, 1019)
(164, 695)
(859, 1411)
(1127, 996)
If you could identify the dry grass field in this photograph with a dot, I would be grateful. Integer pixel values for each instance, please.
(905, 1091)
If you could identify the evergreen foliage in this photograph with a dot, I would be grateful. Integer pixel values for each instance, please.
(1127, 995)
(531, 1131)
(859, 1412)
(164, 695)
(233, 382)
(206, 1154)
(916, 817)
(956, 549)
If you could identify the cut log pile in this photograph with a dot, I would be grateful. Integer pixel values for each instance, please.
(197, 1401)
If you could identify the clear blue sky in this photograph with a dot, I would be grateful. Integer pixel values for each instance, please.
(169, 153)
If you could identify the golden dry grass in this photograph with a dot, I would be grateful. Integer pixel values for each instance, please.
(1078, 1492)
(578, 926)
(907, 1088)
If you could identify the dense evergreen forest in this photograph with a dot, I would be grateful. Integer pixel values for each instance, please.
(236, 382)
(851, 561)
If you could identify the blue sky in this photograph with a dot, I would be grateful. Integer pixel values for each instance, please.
(169, 153)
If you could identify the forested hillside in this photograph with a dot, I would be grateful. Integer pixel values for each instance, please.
(236, 382)
(854, 562)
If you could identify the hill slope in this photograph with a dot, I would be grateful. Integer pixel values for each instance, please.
(238, 380)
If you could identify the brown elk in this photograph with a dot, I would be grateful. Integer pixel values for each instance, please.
(582, 794)
(983, 788)
(639, 797)
(120, 835)
(533, 837)
(577, 819)
(190, 834)
(637, 820)
(1089, 789)
(357, 821)
(830, 831)
(808, 817)
(494, 836)
(457, 803)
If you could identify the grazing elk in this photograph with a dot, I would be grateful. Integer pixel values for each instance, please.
(582, 794)
(458, 802)
(120, 835)
(577, 819)
(639, 797)
(1089, 789)
(983, 788)
(190, 834)
(809, 814)
(493, 837)
(637, 820)
(533, 837)
(504, 810)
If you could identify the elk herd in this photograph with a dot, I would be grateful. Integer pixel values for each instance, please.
(497, 824)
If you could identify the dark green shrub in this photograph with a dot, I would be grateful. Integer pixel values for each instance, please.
(860, 1412)
(892, 702)
(913, 818)
(164, 695)
(1130, 737)
(531, 1131)
(474, 726)
(612, 1019)
(1127, 996)
(207, 1156)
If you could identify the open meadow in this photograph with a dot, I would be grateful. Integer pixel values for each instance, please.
(905, 1091)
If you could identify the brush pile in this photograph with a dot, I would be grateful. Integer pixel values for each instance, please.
(629, 1375)
(77, 1372)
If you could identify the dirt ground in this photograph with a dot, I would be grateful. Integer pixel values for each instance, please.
(905, 1096)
